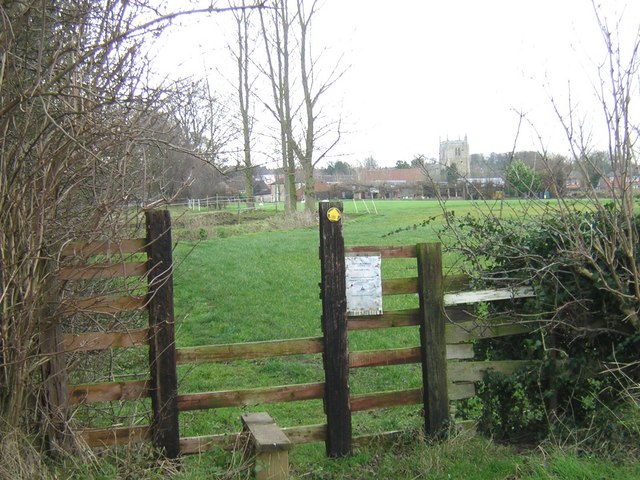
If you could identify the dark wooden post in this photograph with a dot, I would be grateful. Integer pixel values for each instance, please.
(162, 349)
(54, 373)
(432, 338)
(334, 328)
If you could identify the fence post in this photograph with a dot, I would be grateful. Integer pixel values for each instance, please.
(162, 350)
(54, 374)
(432, 338)
(334, 328)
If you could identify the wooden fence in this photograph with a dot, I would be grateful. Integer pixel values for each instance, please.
(141, 270)
(446, 328)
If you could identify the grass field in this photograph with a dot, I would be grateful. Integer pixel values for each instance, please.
(260, 282)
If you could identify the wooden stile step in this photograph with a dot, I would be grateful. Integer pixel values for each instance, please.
(270, 446)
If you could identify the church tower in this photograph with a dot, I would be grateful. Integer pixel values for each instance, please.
(456, 152)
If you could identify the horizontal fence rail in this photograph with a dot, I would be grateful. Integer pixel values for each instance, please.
(103, 271)
(105, 304)
(86, 250)
(248, 351)
(253, 396)
(109, 437)
(107, 392)
(91, 341)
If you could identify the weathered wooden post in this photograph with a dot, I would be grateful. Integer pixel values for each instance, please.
(334, 327)
(54, 374)
(432, 338)
(162, 349)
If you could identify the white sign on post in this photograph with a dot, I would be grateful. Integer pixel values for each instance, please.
(364, 284)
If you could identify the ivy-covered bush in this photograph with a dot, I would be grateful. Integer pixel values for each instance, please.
(581, 262)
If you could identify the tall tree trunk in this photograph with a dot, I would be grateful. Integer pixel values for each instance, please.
(278, 75)
(244, 91)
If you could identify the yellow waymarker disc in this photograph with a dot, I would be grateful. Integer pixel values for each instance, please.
(334, 214)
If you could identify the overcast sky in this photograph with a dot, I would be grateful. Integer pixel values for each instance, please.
(422, 71)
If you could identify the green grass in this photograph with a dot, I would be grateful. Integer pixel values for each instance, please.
(264, 286)
(258, 280)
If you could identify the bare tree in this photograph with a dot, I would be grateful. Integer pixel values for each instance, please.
(244, 85)
(276, 41)
(202, 121)
(298, 110)
(312, 132)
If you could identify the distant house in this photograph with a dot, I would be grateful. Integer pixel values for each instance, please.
(262, 191)
(322, 191)
(612, 182)
(278, 188)
(374, 183)
(574, 182)
(392, 176)
(392, 182)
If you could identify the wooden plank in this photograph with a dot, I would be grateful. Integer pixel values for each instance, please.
(106, 392)
(108, 437)
(460, 351)
(460, 391)
(488, 295)
(250, 350)
(103, 271)
(162, 347)
(474, 371)
(408, 251)
(409, 285)
(376, 358)
(86, 250)
(334, 329)
(204, 443)
(267, 436)
(104, 304)
(432, 339)
(372, 401)
(253, 396)
(461, 325)
(231, 441)
(306, 433)
(392, 318)
(85, 342)
(400, 286)
(402, 356)
(472, 330)
(270, 445)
